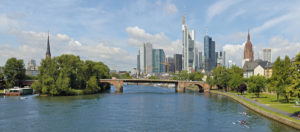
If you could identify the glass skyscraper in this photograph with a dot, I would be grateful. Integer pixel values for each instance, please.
(158, 60)
(209, 53)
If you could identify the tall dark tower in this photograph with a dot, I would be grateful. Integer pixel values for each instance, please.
(48, 53)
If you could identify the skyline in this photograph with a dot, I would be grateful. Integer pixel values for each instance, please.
(106, 30)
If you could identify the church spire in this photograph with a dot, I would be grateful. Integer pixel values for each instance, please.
(48, 53)
(248, 35)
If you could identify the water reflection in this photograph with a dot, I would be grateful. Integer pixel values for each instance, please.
(139, 108)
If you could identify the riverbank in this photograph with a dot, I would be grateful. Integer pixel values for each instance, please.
(290, 121)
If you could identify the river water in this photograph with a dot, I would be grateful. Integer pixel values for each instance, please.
(138, 108)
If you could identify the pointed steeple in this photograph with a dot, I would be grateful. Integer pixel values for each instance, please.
(248, 34)
(48, 53)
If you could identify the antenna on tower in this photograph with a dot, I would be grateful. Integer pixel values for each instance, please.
(206, 31)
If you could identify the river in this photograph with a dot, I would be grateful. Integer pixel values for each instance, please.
(138, 108)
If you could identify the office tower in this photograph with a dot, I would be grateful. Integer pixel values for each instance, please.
(267, 54)
(188, 43)
(158, 60)
(171, 65)
(145, 58)
(220, 56)
(209, 53)
(48, 53)
(248, 51)
(32, 68)
(178, 62)
(196, 60)
(148, 58)
(142, 59)
(138, 67)
(201, 61)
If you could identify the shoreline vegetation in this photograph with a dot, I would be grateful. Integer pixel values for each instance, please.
(290, 121)
(67, 75)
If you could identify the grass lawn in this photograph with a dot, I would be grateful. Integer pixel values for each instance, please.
(272, 112)
(1, 91)
(271, 100)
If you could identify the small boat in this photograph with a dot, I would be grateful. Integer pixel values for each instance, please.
(16, 91)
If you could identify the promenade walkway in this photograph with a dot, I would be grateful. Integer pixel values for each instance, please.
(266, 107)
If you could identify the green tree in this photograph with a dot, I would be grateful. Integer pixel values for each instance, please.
(235, 81)
(196, 76)
(63, 74)
(153, 77)
(1, 80)
(115, 75)
(280, 79)
(256, 84)
(14, 71)
(183, 75)
(209, 81)
(294, 87)
(92, 86)
(221, 76)
(126, 76)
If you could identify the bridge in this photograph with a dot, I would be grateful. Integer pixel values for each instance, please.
(180, 86)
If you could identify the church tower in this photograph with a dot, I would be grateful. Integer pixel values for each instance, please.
(248, 51)
(48, 53)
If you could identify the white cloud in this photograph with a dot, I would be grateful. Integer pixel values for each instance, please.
(234, 52)
(33, 46)
(273, 22)
(171, 8)
(219, 7)
(282, 47)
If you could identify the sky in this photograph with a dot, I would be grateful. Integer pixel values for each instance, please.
(111, 31)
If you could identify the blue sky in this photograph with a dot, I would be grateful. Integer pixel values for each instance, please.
(112, 30)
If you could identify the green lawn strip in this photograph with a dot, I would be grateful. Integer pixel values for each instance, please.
(1, 91)
(271, 112)
(78, 91)
(271, 100)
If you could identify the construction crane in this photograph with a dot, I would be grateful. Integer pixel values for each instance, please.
(166, 64)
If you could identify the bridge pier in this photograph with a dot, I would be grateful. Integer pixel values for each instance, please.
(118, 85)
(180, 87)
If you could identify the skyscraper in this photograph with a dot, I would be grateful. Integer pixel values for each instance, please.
(171, 65)
(188, 43)
(209, 53)
(158, 60)
(248, 51)
(220, 56)
(178, 62)
(145, 58)
(267, 54)
(148, 58)
(48, 53)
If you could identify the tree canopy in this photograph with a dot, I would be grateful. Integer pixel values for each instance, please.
(65, 74)
(14, 71)
(256, 84)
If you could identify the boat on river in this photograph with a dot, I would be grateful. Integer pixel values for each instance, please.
(17, 91)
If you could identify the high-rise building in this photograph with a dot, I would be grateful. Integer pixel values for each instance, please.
(178, 62)
(220, 56)
(267, 54)
(32, 68)
(201, 61)
(48, 53)
(171, 65)
(138, 67)
(196, 60)
(248, 51)
(158, 60)
(188, 43)
(148, 58)
(209, 53)
(145, 58)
